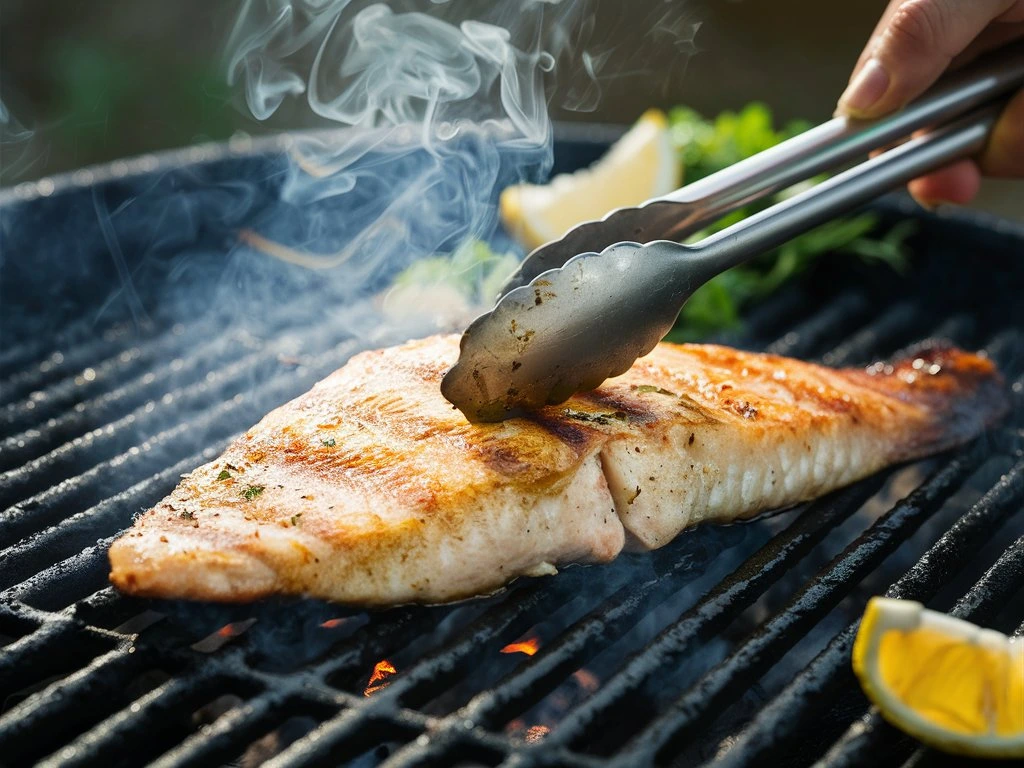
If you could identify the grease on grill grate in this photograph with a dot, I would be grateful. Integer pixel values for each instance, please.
(729, 647)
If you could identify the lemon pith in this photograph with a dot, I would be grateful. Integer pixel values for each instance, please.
(947, 682)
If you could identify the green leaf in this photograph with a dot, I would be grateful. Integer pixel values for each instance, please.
(644, 388)
(596, 418)
(713, 307)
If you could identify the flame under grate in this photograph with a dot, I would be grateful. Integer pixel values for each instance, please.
(729, 647)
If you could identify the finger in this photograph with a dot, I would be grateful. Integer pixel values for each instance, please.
(1009, 26)
(957, 183)
(1004, 153)
(883, 22)
(917, 44)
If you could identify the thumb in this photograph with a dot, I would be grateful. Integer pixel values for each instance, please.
(911, 49)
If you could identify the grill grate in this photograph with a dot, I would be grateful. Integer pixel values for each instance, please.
(729, 647)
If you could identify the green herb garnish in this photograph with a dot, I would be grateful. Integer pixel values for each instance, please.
(224, 475)
(329, 442)
(595, 418)
(652, 388)
(252, 492)
(295, 519)
(187, 515)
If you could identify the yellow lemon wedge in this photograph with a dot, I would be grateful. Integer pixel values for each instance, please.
(951, 684)
(642, 164)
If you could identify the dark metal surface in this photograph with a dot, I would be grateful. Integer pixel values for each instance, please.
(730, 646)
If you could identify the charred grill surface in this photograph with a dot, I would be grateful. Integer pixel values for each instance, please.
(729, 647)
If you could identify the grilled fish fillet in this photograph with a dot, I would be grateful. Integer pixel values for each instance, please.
(372, 489)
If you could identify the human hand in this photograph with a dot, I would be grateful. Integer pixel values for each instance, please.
(913, 44)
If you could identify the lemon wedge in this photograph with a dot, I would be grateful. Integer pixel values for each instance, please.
(640, 165)
(951, 684)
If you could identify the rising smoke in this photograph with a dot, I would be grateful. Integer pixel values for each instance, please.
(434, 113)
(16, 155)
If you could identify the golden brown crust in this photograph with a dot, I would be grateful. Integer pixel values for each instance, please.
(371, 488)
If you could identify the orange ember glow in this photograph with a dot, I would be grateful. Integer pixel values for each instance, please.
(332, 623)
(529, 647)
(232, 630)
(586, 680)
(535, 733)
(221, 637)
(382, 670)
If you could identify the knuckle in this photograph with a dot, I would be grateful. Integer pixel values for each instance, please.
(918, 27)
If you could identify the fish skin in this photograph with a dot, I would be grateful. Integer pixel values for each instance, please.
(372, 489)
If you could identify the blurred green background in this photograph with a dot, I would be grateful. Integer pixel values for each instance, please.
(114, 78)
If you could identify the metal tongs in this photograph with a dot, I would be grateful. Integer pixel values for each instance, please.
(569, 318)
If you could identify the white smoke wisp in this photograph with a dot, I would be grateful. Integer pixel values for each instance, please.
(16, 155)
(637, 45)
(434, 114)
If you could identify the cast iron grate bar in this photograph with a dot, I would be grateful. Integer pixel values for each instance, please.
(270, 387)
(77, 700)
(59, 379)
(50, 512)
(433, 672)
(219, 742)
(130, 730)
(32, 368)
(141, 396)
(213, 370)
(813, 333)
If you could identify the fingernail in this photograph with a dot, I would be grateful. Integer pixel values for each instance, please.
(867, 88)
